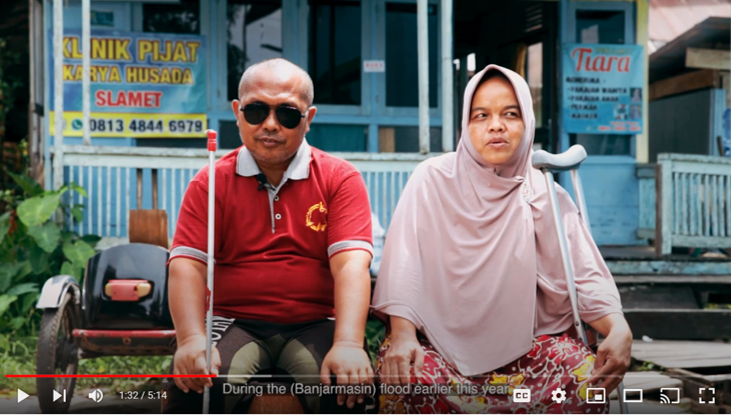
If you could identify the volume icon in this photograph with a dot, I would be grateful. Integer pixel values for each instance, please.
(96, 395)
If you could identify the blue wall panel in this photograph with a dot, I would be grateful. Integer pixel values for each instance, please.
(611, 190)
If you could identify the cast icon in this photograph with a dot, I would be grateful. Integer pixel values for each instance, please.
(670, 395)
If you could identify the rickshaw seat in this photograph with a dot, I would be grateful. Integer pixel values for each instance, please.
(145, 263)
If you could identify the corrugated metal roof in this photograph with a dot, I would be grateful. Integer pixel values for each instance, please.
(671, 18)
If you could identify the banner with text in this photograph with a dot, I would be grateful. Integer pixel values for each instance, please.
(142, 84)
(602, 88)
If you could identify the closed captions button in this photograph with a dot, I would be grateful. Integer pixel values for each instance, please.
(521, 395)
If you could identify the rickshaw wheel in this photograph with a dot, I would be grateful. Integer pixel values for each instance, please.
(57, 354)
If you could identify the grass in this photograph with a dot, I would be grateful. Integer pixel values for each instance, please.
(20, 358)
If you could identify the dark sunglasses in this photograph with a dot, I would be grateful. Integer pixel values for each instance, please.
(288, 117)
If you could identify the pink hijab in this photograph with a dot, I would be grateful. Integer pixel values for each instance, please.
(472, 259)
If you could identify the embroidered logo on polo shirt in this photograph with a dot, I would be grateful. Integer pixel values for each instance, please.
(317, 217)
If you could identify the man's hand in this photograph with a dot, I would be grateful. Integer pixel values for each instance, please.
(190, 359)
(613, 358)
(351, 365)
(403, 351)
(187, 295)
(347, 359)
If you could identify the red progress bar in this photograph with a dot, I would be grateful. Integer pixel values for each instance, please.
(108, 376)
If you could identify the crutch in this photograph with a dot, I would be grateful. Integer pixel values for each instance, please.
(550, 164)
(209, 285)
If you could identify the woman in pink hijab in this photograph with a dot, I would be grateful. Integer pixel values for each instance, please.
(471, 283)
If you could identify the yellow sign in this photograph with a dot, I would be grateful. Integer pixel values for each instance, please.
(136, 125)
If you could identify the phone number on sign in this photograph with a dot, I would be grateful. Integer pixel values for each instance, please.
(104, 125)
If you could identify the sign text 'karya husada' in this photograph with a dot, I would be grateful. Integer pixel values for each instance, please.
(142, 84)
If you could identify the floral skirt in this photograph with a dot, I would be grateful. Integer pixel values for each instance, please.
(554, 362)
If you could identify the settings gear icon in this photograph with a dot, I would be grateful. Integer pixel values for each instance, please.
(558, 395)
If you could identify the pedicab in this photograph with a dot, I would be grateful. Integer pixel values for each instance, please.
(119, 309)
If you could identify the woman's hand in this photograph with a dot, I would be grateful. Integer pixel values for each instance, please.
(614, 354)
(403, 352)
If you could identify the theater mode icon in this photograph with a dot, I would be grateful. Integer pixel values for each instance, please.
(632, 395)
(521, 395)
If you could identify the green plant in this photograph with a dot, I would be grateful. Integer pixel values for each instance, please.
(645, 366)
(375, 332)
(36, 244)
(14, 158)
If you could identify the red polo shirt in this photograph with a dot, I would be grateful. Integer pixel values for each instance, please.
(273, 245)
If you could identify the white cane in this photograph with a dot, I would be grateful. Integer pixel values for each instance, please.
(550, 164)
(209, 285)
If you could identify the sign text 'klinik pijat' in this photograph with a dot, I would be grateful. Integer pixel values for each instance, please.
(602, 88)
(143, 85)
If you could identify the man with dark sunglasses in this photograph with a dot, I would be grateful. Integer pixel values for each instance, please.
(292, 247)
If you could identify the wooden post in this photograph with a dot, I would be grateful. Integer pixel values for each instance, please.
(58, 94)
(707, 58)
(139, 188)
(422, 29)
(86, 70)
(154, 189)
(663, 206)
(447, 77)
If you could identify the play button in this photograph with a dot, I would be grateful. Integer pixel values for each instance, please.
(21, 395)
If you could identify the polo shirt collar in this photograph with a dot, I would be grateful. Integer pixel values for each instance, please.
(299, 168)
